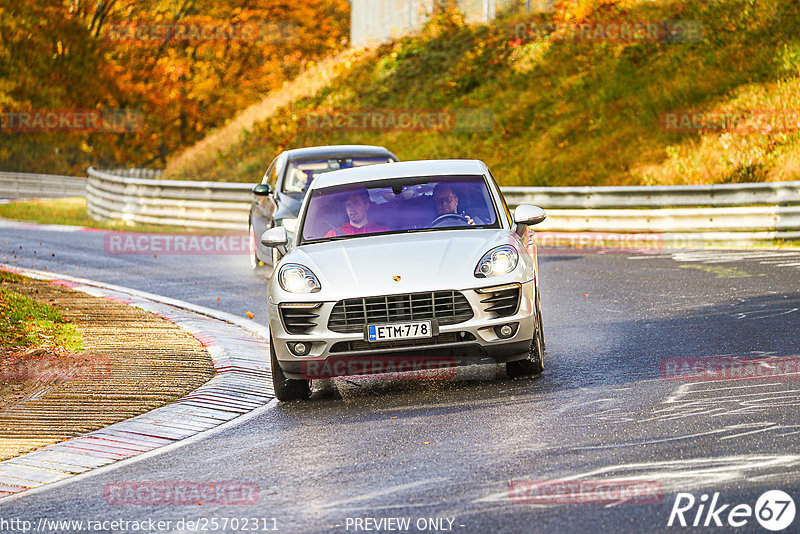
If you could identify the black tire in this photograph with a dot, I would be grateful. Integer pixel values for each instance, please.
(287, 389)
(539, 320)
(533, 364)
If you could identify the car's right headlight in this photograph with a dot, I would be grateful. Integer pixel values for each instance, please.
(296, 278)
(500, 260)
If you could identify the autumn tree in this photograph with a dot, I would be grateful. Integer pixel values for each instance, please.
(175, 69)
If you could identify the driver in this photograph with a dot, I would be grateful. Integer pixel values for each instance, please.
(447, 202)
(357, 205)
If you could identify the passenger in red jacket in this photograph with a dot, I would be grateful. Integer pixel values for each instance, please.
(357, 205)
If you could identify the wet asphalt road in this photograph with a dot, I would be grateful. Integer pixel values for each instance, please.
(449, 450)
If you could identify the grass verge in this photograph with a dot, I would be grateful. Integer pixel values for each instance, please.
(26, 323)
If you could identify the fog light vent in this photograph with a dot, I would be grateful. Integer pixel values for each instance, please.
(506, 331)
(299, 349)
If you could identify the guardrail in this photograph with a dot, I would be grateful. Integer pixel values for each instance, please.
(125, 195)
(737, 213)
(683, 214)
(23, 185)
(658, 196)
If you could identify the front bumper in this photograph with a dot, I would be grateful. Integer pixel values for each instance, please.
(475, 341)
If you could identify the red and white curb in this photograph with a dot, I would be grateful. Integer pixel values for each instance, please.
(239, 349)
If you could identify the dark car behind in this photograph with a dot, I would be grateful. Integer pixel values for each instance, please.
(277, 199)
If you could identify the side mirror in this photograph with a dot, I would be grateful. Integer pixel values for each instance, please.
(262, 190)
(529, 215)
(275, 237)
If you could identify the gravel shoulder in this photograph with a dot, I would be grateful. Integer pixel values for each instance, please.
(133, 362)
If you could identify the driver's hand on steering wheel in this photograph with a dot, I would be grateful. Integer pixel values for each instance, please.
(469, 219)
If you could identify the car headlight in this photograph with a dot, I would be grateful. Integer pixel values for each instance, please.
(500, 260)
(296, 278)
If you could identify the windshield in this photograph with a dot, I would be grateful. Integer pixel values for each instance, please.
(300, 174)
(399, 205)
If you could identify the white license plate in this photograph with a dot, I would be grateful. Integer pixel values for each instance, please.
(389, 332)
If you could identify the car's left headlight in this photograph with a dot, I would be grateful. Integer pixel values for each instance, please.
(296, 278)
(500, 260)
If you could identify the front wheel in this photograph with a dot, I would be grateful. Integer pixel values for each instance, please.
(539, 320)
(286, 389)
(533, 364)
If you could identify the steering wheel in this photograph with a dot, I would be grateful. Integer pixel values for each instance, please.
(446, 216)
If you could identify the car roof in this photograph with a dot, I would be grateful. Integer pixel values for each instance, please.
(403, 169)
(337, 151)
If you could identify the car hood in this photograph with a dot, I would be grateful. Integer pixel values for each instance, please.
(426, 261)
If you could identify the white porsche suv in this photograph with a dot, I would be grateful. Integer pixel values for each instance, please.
(400, 267)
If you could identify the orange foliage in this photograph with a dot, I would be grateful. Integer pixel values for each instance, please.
(161, 72)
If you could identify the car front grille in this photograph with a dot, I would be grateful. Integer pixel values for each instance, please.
(502, 303)
(299, 320)
(448, 337)
(446, 307)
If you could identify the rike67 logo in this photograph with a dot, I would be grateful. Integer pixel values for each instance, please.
(774, 511)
